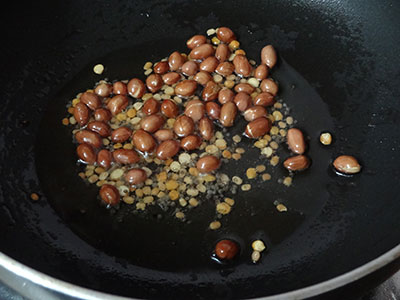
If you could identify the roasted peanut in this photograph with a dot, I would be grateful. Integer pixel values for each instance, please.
(183, 126)
(208, 163)
(210, 91)
(151, 107)
(261, 72)
(225, 95)
(228, 114)
(167, 149)
(152, 123)
(91, 100)
(209, 64)
(225, 68)
(268, 56)
(103, 89)
(171, 78)
(136, 176)
(269, 86)
(202, 77)
(104, 159)
(154, 82)
(195, 109)
(195, 41)
(86, 153)
(120, 88)
(163, 135)
(169, 108)
(297, 163)
(109, 194)
(226, 249)
(81, 114)
(295, 140)
(99, 127)
(222, 52)
(258, 127)
(186, 88)
(225, 34)
(117, 104)
(191, 142)
(190, 68)
(143, 141)
(89, 137)
(242, 65)
(213, 110)
(242, 101)
(347, 164)
(244, 87)
(136, 88)
(125, 156)
(264, 99)
(206, 128)
(102, 115)
(161, 67)
(175, 61)
(254, 112)
(121, 134)
(202, 52)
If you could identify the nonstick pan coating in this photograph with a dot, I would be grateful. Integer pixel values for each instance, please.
(338, 70)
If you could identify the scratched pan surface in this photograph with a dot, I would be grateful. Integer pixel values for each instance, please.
(337, 71)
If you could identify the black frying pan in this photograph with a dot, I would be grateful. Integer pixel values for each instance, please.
(338, 71)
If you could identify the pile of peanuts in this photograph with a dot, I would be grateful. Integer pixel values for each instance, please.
(129, 132)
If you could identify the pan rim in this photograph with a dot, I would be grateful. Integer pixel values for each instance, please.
(76, 291)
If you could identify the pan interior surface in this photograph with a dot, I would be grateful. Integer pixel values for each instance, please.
(331, 220)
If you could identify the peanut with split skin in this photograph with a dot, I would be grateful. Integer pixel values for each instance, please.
(99, 127)
(195, 109)
(169, 108)
(183, 126)
(136, 88)
(347, 164)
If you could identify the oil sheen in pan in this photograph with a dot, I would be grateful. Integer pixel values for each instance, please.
(154, 238)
